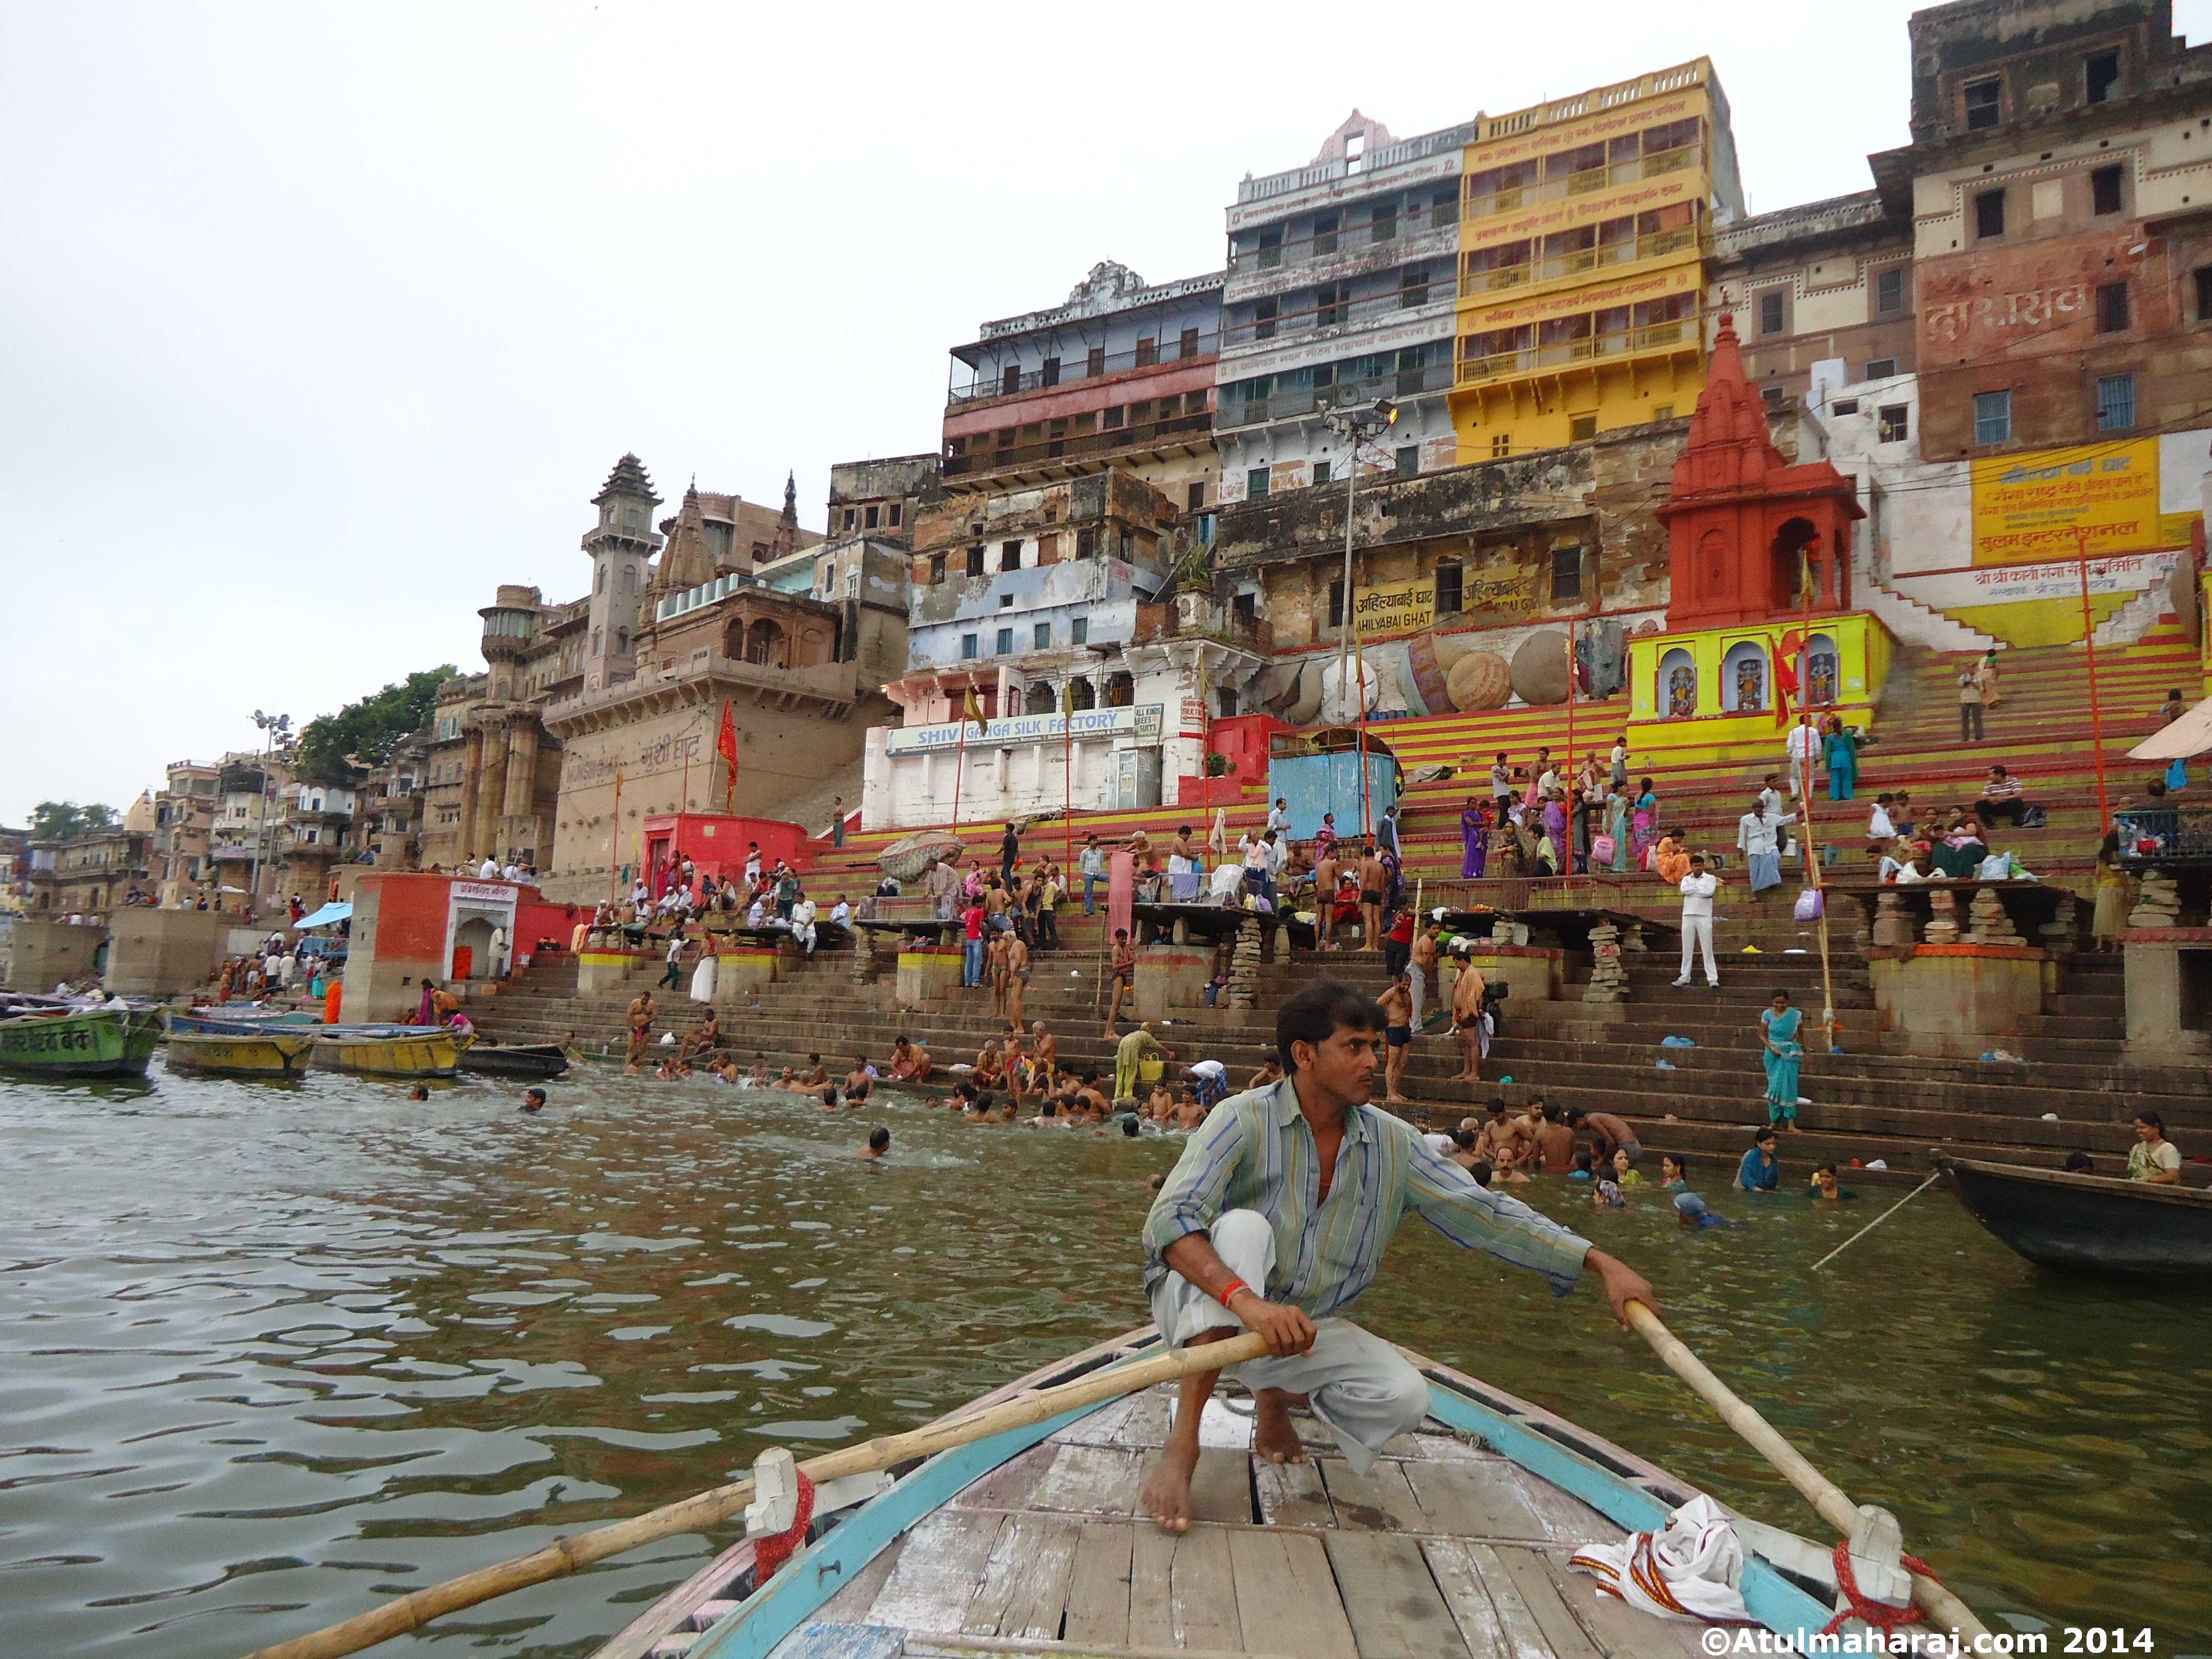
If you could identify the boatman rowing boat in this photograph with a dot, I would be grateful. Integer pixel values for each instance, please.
(1276, 1218)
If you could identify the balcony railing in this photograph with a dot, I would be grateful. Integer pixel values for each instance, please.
(981, 456)
(1625, 342)
(1590, 179)
(1012, 383)
(1297, 324)
(1475, 284)
(1285, 405)
(2165, 835)
(1301, 250)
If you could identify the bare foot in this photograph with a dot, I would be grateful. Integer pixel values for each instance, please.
(1166, 1496)
(1272, 1436)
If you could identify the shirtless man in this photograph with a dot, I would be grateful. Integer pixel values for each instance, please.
(1613, 1133)
(1044, 1056)
(861, 1076)
(758, 1076)
(1555, 1142)
(1159, 1105)
(705, 1036)
(817, 1074)
(1371, 881)
(1270, 1072)
(1092, 1098)
(1466, 1022)
(1125, 978)
(641, 1012)
(1188, 1113)
(1325, 879)
(1017, 981)
(909, 1060)
(1422, 968)
(990, 1071)
(994, 904)
(1015, 1064)
(994, 969)
(1397, 1005)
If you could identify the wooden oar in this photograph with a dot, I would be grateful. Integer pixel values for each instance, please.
(566, 1555)
(1836, 1509)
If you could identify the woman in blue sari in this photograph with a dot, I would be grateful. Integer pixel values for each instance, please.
(1781, 1022)
(1840, 751)
(1616, 825)
(1475, 839)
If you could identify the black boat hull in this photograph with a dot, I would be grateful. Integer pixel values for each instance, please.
(2090, 1223)
(543, 1061)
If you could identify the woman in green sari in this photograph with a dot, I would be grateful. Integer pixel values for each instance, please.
(1616, 825)
(1781, 1022)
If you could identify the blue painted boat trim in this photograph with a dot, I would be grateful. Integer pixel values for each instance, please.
(818, 1572)
(1774, 1601)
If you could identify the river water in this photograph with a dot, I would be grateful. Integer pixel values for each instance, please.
(274, 1354)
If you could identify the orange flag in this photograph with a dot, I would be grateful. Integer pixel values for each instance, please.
(726, 746)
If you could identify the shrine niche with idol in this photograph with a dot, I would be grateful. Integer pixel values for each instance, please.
(1760, 623)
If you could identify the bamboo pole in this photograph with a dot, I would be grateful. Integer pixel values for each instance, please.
(1878, 1220)
(1825, 1496)
(706, 1509)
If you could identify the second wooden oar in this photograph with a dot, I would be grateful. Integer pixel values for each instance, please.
(565, 1555)
(1836, 1509)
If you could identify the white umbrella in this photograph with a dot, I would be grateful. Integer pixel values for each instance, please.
(2190, 735)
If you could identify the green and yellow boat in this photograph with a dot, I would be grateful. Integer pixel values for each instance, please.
(430, 1051)
(274, 1055)
(86, 1042)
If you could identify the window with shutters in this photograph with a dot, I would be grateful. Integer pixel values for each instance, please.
(2112, 308)
(1992, 417)
(2116, 402)
(1450, 584)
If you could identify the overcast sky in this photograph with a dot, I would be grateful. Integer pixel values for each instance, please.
(318, 322)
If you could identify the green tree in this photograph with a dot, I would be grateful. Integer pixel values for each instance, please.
(51, 820)
(366, 733)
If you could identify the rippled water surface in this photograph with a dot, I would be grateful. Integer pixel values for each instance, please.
(272, 1355)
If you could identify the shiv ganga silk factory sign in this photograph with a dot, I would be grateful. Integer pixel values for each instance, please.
(1143, 723)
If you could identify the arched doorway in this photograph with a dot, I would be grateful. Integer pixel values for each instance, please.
(764, 644)
(1039, 699)
(1083, 695)
(1797, 557)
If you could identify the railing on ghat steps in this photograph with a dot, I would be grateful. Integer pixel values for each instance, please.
(2173, 834)
(1604, 891)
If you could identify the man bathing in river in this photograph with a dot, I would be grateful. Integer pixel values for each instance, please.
(1233, 1241)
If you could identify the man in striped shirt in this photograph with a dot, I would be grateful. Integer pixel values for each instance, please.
(1276, 1219)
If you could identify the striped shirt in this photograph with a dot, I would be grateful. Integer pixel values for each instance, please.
(1256, 1151)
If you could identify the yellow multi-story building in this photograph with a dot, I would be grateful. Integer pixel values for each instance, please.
(1585, 227)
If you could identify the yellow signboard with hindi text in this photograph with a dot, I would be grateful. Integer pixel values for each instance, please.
(2046, 505)
(1396, 607)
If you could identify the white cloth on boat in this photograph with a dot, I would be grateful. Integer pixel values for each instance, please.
(1690, 1568)
(1361, 1388)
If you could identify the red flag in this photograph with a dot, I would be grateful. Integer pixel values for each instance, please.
(726, 746)
(1786, 685)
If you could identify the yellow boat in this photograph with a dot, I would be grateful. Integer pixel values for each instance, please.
(275, 1054)
(434, 1053)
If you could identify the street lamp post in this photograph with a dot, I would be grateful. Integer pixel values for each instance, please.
(275, 729)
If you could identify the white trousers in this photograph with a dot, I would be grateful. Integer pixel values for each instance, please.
(1361, 1387)
(1697, 931)
(1419, 977)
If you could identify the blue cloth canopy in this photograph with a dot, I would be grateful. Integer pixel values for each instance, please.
(329, 916)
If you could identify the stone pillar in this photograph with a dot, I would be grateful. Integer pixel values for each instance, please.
(1943, 920)
(521, 791)
(472, 795)
(491, 796)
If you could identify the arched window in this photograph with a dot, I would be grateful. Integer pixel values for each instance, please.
(1040, 699)
(596, 634)
(764, 644)
(1121, 690)
(622, 642)
(1822, 676)
(630, 577)
(1085, 696)
(603, 578)
(1678, 685)
(1743, 677)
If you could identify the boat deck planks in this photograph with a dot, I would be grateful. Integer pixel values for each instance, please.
(1396, 1609)
(1443, 1550)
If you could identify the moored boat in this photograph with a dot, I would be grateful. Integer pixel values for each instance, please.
(88, 1042)
(421, 1052)
(1455, 1543)
(538, 1060)
(2089, 1224)
(276, 1053)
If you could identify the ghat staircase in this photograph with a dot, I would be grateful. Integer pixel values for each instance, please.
(2060, 1085)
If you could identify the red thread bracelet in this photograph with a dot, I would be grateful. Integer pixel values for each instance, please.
(1229, 1290)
